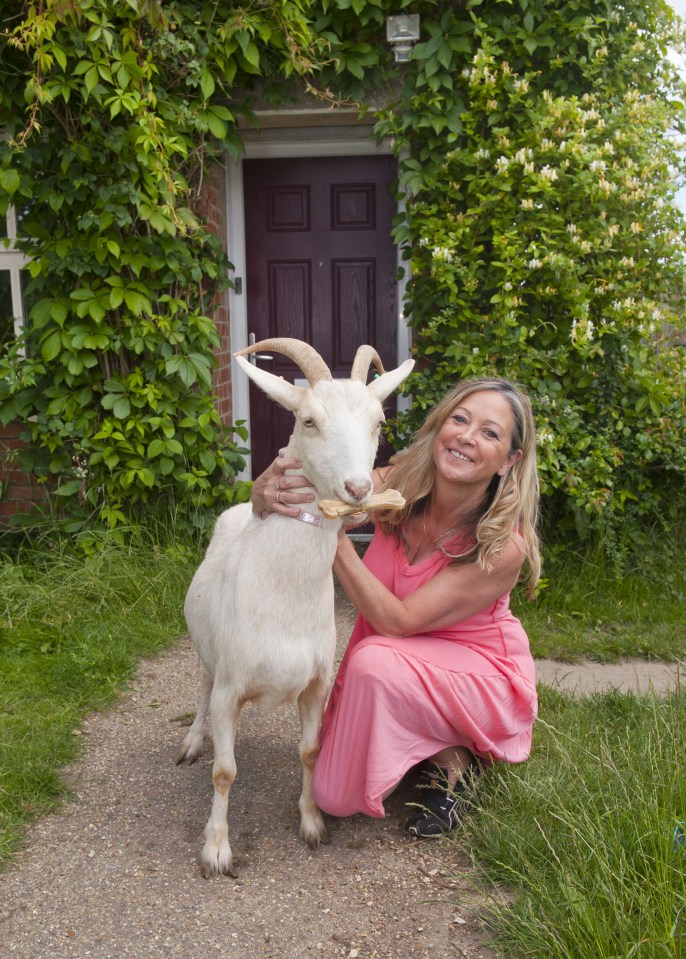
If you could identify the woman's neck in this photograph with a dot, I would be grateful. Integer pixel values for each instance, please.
(448, 505)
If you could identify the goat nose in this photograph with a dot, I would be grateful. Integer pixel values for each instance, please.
(358, 492)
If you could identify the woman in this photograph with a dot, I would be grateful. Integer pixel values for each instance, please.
(437, 667)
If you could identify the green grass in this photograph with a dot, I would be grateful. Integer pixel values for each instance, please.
(584, 832)
(71, 632)
(589, 608)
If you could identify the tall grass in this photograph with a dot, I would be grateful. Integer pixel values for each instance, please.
(603, 607)
(71, 632)
(587, 834)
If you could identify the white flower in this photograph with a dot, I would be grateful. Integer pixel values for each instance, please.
(535, 264)
(549, 173)
(502, 163)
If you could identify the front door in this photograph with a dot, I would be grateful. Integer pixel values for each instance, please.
(321, 267)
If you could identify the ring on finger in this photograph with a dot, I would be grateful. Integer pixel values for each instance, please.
(278, 496)
(277, 485)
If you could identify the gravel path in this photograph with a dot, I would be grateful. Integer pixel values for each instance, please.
(114, 875)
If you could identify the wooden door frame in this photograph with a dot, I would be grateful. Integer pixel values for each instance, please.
(272, 144)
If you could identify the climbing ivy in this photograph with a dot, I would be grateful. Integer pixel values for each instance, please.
(112, 113)
(540, 149)
(538, 145)
(544, 243)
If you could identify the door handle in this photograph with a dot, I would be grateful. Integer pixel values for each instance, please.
(254, 357)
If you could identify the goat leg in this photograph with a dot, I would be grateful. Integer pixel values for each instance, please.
(216, 857)
(194, 742)
(310, 706)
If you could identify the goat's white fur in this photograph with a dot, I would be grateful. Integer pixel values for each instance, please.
(260, 608)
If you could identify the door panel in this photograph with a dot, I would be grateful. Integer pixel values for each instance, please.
(320, 267)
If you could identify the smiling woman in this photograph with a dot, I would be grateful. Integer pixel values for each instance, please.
(438, 670)
(479, 434)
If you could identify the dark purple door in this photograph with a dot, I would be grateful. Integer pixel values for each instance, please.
(320, 267)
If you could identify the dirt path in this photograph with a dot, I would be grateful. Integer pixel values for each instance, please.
(115, 874)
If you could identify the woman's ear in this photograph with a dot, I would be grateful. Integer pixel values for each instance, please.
(512, 458)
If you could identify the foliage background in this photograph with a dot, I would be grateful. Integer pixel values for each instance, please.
(539, 155)
(113, 113)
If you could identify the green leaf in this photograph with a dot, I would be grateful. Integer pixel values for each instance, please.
(69, 488)
(156, 448)
(122, 407)
(91, 79)
(207, 84)
(137, 302)
(216, 126)
(9, 181)
(51, 346)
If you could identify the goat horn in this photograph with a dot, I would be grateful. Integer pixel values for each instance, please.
(365, 356)
(302, 354)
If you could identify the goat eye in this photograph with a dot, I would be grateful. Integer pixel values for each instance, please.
(308, 422)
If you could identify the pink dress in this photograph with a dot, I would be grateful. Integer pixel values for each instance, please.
(397, 701)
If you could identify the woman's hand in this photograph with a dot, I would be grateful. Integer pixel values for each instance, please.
(274, 492)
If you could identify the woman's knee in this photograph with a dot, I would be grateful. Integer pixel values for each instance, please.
(369, 661)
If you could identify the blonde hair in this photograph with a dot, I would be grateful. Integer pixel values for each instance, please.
(511, 502)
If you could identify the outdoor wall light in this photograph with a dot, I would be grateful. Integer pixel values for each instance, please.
(402, 32)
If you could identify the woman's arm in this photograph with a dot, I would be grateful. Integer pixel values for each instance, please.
(454, 594)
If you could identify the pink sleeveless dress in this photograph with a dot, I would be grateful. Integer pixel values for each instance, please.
(397, 701)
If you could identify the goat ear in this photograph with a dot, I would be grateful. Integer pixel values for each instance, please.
(275, 387)
(384, 385)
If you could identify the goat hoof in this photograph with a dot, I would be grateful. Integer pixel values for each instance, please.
(314, 837)
(191, 750)
(217, 863)
(185, 757)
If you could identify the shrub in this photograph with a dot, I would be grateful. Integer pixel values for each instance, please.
(127, 106)
(544, 243)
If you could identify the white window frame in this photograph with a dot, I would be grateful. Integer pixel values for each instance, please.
(13, 261)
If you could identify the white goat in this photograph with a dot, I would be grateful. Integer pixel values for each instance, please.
(260, 608)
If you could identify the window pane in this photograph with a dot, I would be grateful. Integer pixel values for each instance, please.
(28, 299)
(6, 312)
(3, 228)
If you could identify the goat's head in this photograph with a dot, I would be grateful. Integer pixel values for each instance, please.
(337, 422)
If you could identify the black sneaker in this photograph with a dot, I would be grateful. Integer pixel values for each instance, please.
(439, 810)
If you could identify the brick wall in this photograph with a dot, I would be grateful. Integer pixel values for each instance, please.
(18, 489)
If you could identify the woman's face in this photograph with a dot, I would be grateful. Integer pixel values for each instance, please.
(473, 445)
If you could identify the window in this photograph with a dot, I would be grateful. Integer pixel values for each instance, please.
(11, 263)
